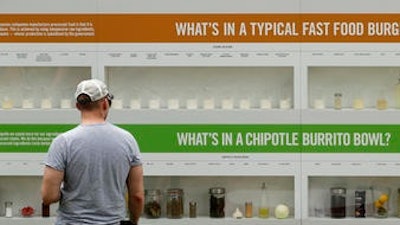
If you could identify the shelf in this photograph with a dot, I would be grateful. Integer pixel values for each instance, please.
(158, 164)
(217, 116)
(350, 221)
(231, 221)
(219, 221)
(253, 116)
(350, 116)
(146, 116)
(29, 220)
(39, 116)
(287, 166)
(162, 221)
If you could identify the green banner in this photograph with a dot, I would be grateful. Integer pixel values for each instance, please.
(29, 137)
(221, 138)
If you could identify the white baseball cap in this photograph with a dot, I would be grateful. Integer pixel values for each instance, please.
(95, 89)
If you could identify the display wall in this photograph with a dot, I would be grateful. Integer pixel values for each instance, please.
(307, 106)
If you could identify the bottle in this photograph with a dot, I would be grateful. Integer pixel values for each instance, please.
(217, 202)
(192, 209)
(263, 210)
(337, 101)
(248, 209)
(397, 94)
(338, 202)
(381, 102)
(8, 207)
(45, 210)
(359, 204)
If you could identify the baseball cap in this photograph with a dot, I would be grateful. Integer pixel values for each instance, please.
(95, 89)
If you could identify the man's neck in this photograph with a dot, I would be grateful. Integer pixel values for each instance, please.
(88, 118)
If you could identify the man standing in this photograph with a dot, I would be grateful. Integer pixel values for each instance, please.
(88, 167)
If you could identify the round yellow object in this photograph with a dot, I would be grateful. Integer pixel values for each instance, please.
(378, 204)
(383, 198)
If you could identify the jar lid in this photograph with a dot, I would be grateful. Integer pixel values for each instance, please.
(217, 190)
(152, 192)
(338, 190)
(175, 190)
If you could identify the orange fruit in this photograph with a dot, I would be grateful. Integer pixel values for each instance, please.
(378, 204)
(383, 198)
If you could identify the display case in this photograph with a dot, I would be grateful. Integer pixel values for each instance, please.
(222, 94)
(240, 89)
(201, 88)
(45, 87)
(356, 87)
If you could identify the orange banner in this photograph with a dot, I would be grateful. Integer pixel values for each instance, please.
(175, 28)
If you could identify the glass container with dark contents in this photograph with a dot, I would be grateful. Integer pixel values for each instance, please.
(217, 202)
(174, 203)
(152, 207)
(338, 202)
(359, 204)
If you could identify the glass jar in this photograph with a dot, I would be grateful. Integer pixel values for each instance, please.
(359, 204)
(152, 207)
(337, 101)
(8, 206)
(174, 203)
(248, 206)
(381, 201)
(217, 202)
(192, 209)
(45, 210)
(338, 202)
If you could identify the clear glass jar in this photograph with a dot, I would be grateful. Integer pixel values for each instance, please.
(217, 202)
(152, 207)
(338, 202)
(192, 209)
(359, 204)
(9, 206)
(381, 201)
(174, 203)
(337, 101)
(248, 206)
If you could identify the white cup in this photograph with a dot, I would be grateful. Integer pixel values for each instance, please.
(227, 103)
(208, 103)
(191, 103)
(265, 104)
(154, 104)
(135, 104)
(173, 103)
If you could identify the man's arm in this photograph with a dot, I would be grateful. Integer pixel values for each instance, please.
(135, 186)
(51, 183)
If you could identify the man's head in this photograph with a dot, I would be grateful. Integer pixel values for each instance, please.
(92, 94)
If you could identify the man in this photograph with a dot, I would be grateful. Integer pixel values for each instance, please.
(88, 167)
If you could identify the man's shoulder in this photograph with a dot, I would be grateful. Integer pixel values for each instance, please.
(120, 130)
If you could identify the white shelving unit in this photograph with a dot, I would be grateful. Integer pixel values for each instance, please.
(291, 66)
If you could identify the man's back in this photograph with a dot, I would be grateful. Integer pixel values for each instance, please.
(96, 160)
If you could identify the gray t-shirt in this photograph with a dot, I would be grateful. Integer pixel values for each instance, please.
(96, 160)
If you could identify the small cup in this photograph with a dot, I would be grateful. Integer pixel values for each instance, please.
(381, 201)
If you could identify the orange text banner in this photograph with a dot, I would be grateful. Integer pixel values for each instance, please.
(140, 28)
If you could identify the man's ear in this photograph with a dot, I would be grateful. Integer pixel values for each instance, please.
(104, 104)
